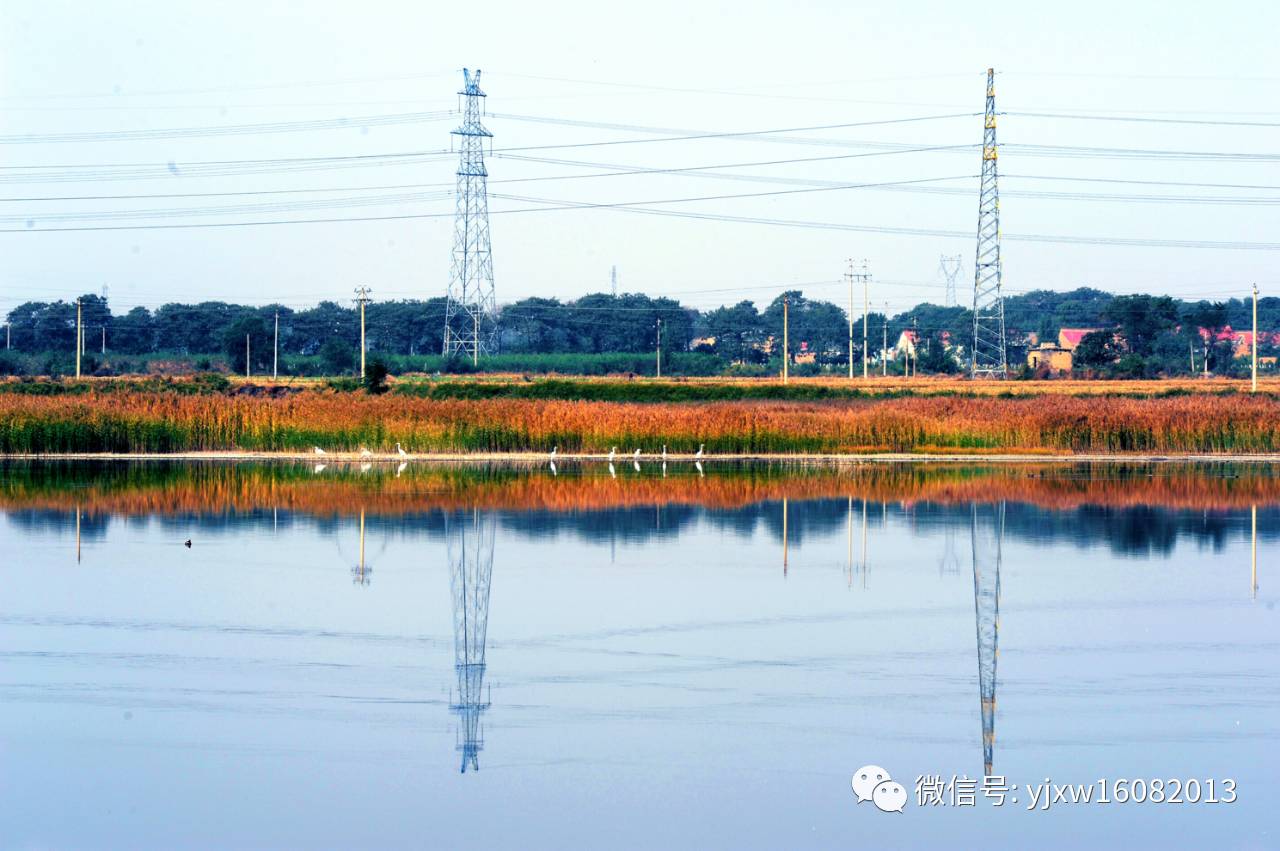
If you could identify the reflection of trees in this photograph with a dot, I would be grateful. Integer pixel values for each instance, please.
(1135, 531)
(1134, 508)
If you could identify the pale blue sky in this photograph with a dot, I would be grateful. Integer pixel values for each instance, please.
(73, 67)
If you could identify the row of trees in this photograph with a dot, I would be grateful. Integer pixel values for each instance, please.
(1146, 334)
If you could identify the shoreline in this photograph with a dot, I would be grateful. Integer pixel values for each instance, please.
(541, 458)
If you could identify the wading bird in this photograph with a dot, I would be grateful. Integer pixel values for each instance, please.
(554, 450)
(698, 454)
(319, 451)
(636, 455)
(365, 453)
(400, 450)
(613, 453)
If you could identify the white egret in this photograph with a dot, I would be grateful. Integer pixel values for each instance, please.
(400, 450)
(613, 453)
(698, 454)
(365, 453)
(319, 451)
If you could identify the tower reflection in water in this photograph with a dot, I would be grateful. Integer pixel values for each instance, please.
(469, 544)
(987, 539)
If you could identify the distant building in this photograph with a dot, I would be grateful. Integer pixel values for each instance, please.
(1241, 341)
(1069, 338)
(805, 355)
(1050, 356)
(709, 342)
(906, 344)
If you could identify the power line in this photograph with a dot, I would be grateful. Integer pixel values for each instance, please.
(229, 129)
(1143, 119)
(775, 222)
(120, 93)
(935, 232)
(618, 171)
(565, 205)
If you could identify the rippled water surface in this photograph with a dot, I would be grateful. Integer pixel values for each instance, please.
(455, 657)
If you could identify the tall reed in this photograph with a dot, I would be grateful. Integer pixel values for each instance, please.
(165, 422)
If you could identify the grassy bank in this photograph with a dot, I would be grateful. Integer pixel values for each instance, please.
(124, 420)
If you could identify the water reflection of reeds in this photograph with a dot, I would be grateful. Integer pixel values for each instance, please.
(175, 488)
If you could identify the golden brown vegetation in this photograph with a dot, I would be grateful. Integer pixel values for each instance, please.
(168, 422)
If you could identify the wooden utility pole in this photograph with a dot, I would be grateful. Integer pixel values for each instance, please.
(659, 353)
(786, 340)
(79, 336)
(866, 307)
(247, 361)
(914, 356)
(849, 276)
(275, 351)
(1255, 339)
(104, 339)
(884, 345)
(362, 296)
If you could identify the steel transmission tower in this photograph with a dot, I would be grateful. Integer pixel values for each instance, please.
(989, 357)
(470, 549)
(469, 326)
(950, 265)
(986, 607)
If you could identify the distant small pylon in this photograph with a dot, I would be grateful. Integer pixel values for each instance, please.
(950, 266)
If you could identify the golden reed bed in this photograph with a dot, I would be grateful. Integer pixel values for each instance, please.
(167, 422)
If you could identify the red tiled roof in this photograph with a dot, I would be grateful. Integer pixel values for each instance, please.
(1071, 337)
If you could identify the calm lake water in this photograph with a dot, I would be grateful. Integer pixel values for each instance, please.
(515, 659)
